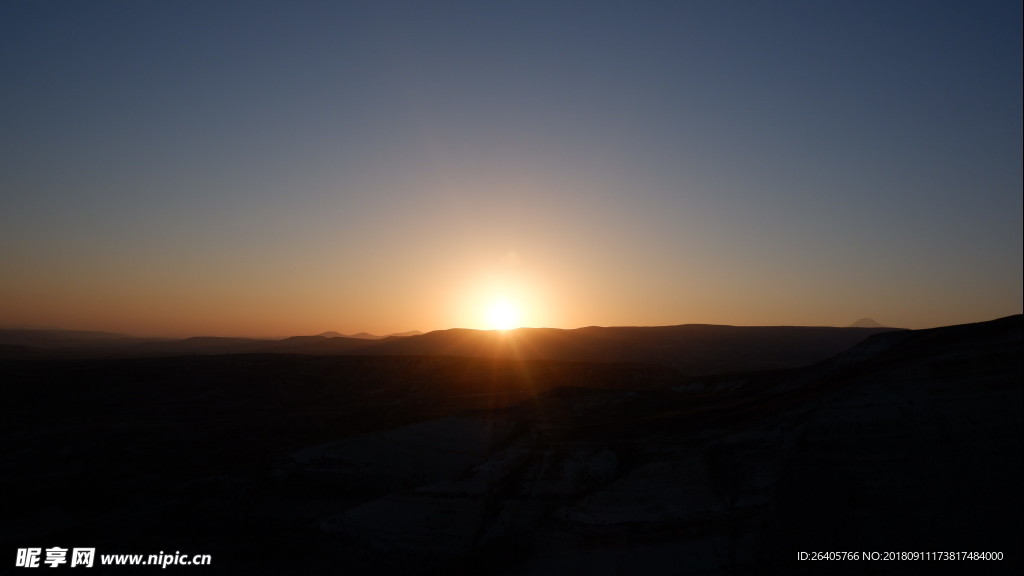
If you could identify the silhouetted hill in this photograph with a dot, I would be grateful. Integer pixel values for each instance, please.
(36, 343)
(908, 441)
(691, 348)
(866, 323)
(33, 344)
(405, 334)
(50, 339)
(364, 336)
(302, 340)
(313, 345)
(368, 336)
(322, 347)
(199, 345)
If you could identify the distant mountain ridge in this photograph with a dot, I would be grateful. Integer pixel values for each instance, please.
(866, 323)
(368, 336)
(57, 338)
(691, 349)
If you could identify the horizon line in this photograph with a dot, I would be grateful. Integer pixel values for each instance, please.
(24, 327)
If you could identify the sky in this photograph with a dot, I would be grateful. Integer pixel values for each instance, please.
(280, 168)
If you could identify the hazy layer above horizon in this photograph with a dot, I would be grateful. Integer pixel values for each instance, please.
(296, 168)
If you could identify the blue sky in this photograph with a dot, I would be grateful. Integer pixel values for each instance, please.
(292, 167)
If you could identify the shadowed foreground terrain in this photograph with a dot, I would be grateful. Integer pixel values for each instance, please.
(381, 464)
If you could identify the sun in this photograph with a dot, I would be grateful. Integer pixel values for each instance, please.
(502, 315)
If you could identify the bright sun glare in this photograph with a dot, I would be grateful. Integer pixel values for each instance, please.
(502, 315)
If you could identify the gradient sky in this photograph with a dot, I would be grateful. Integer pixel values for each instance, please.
(279, 168)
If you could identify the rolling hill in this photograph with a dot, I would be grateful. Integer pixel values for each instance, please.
(691, 349)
